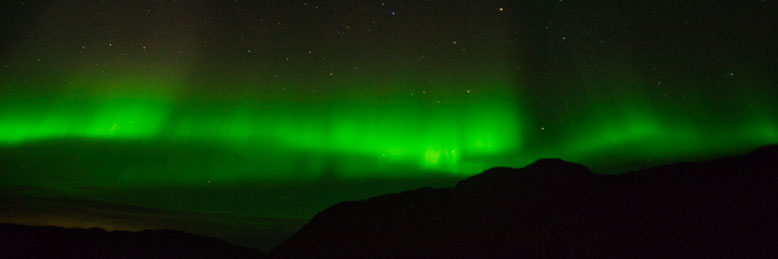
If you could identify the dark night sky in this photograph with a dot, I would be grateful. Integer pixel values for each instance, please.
(182, 105)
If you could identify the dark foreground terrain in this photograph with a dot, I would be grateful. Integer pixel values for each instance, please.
(17, 241)
(721, 208)
(551, 208)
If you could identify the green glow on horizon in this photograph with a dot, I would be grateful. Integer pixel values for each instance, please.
(434, 134)
(162, 137)
(273, 108)
(109, 119)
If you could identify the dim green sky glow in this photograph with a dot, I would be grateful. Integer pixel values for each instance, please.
(237, 138)
(418, 130)
(194, 93)
(280, 109)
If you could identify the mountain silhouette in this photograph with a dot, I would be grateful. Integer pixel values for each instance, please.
(18, 241)
(552, 208)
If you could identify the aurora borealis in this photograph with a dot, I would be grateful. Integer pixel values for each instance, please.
(100, 98)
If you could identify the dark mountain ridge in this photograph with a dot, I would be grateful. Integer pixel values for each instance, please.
(553, 208)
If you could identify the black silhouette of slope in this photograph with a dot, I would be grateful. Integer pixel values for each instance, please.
(726, 207)
(18, 241)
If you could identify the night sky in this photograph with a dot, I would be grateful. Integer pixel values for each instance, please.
(249, 107)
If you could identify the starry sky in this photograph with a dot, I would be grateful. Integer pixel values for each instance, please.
(102, 99)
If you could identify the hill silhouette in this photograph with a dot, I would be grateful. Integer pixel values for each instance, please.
(552, 208)
(18, 241)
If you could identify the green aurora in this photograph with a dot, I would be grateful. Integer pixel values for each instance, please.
(277, 108)
(356, 135)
